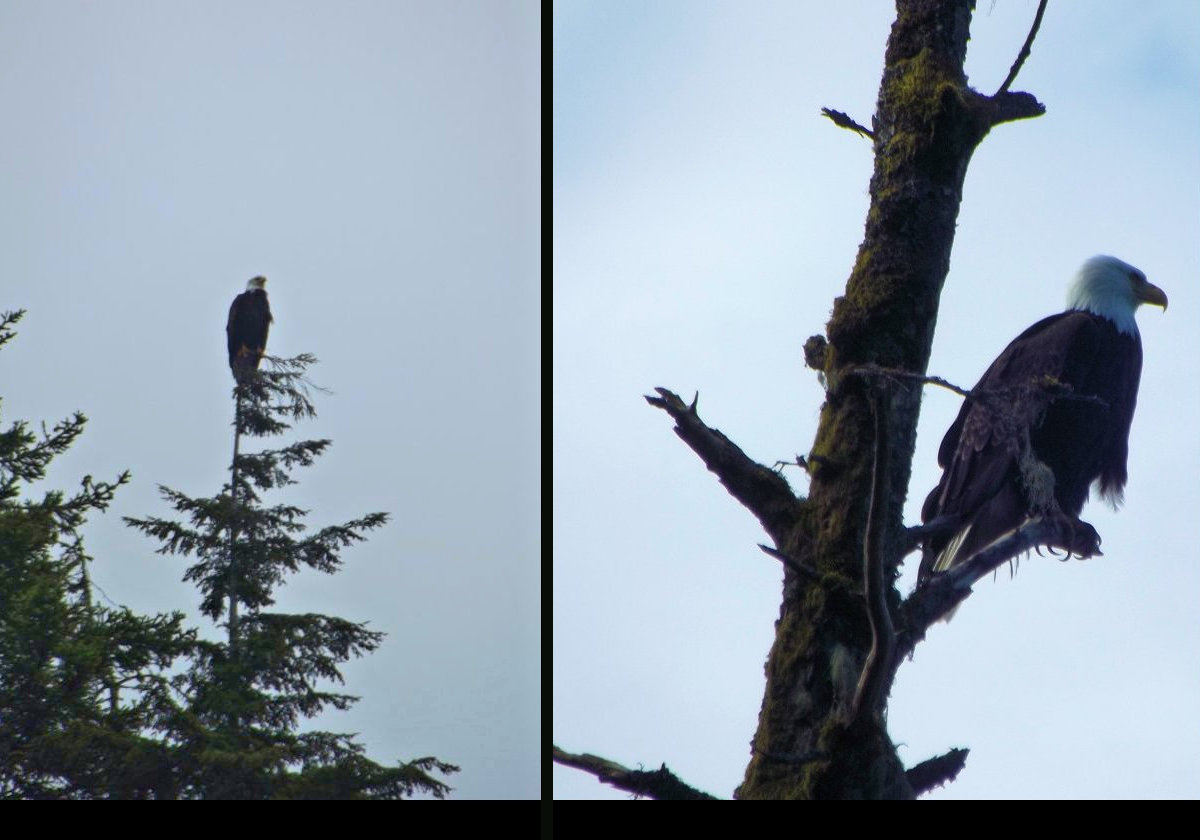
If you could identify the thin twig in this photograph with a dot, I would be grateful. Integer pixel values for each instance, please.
(1045, 385)
(799, 461)
(895, 373)
(1025, 49)
(795, 565)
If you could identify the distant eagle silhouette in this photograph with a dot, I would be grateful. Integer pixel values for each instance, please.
(1015, 451)
(249, 321)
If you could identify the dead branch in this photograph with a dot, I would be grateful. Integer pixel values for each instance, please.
(763, 491)
(845, 121)
(1007, 106)
(655, 784)
(944, 591)
(1046, 387)
(895, 373)
(796, 566)
(1025, 49)
(934, 772)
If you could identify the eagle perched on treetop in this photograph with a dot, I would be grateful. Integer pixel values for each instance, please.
(246, 329)
(1050, 416)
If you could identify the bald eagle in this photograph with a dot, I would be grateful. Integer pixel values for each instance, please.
(246, 329)
(1023, 445)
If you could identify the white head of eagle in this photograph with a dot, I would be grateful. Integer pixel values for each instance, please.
(246, 329)
(1021, 446)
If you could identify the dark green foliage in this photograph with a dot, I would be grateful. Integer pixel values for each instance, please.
(81, 685)
(98, 702)
(244, 698)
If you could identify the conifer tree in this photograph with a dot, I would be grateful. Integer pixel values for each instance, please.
(81, 685)
(237, 726)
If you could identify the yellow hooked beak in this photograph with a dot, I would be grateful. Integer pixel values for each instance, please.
(1147, 292)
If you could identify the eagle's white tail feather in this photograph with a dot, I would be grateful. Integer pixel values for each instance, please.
(946, 558)
(949, 555)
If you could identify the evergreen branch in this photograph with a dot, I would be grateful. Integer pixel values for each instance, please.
(268, 469)
(232, 716)
(8, 320)
(175, 538)
(93, 495)
(288, 651)
(24, 458)
(414, 776)
(320, 551)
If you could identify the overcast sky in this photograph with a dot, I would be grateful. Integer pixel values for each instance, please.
(379, 162)
(705, 216)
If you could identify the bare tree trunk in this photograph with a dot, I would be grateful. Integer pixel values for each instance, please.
(812, 740)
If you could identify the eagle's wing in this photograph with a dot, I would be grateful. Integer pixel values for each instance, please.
(980, 487)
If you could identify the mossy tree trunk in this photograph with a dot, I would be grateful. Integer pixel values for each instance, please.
(843, 629)
(811, 741)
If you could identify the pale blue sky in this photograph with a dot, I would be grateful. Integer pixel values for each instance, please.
(705, 216)
(379, 162)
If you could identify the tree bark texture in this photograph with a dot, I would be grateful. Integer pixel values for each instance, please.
(809, 743)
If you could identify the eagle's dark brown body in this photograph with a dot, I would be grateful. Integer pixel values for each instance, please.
(987, 488)
(247, 327)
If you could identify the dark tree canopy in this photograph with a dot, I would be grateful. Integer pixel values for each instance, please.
(242, 700)
(83, 686)
(99, 702)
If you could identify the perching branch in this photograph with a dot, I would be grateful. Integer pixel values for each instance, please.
(894, 373)
(655, 784)
(1047, 386)
(766, 493)
(944, 591)
(845, 121)
(1025, 49)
